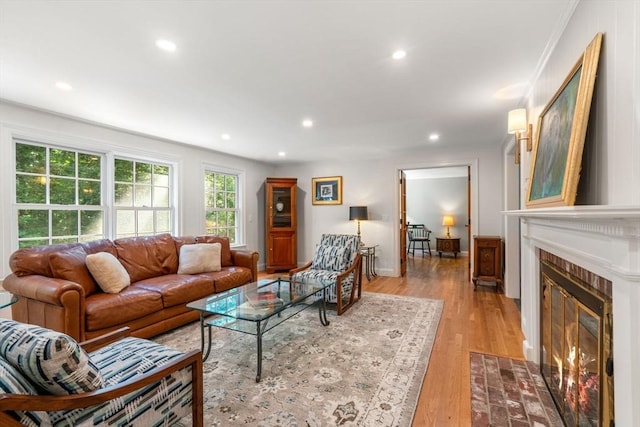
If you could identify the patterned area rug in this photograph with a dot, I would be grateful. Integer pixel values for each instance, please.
(366, 368)
(509, 392)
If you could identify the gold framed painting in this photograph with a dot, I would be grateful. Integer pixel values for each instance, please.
(560, 136)
(327, 190)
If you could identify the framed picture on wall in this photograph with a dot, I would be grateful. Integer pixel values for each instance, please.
(560, 136)
(327, 190)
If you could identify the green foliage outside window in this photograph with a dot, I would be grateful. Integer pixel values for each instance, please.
(142, 198)
(58, 193)
(221, 205)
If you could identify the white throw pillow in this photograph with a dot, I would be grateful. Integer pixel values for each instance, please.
(108, 272)
(200, 258)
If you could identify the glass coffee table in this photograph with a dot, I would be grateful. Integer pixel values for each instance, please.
(7, 299)
(258, 307)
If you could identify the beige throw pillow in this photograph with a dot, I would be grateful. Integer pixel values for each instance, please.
(200, 258)
(108, 272)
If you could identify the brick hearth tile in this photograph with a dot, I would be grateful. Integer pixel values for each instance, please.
(541, 422)
(479, 419)
(527, 388)
(479, 403)
(507, 376)
(516, 410)
(496, 397)
(499, 416)
(533, 406)
(519, 423)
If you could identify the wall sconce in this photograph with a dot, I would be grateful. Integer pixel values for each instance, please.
(358, 213)
(447, 221)
(517, 124)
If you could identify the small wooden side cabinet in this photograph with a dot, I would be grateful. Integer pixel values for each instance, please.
(487, 264)
(281, 225)
(448, 244)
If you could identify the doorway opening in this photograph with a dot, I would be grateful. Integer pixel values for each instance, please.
(440, 198)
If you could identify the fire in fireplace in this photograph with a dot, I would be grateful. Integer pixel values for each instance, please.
(577, 348)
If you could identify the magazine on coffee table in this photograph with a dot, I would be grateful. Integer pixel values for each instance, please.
(265, 299)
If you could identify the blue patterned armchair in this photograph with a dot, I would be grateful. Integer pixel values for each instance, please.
(48, 379)
(337, 261)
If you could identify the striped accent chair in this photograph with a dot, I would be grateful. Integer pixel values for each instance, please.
(337, 261)
(47, 379)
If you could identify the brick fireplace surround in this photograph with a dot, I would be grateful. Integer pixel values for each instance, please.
(606, 241)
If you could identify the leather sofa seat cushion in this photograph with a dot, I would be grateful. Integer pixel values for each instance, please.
(178, 289)
(228, 278)
(71, 265)
(107, 310)
(145, 257)
(225, 254)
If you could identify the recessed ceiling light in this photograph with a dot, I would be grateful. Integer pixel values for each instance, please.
(64, 86)
(281, 153)
(434, 137)
(399, 54)
(307, 123)
(167, 45)
(225, 136)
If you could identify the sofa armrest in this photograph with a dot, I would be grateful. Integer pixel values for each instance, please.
(56, 304)
(248, 259)
(48, 403)
(41, 288)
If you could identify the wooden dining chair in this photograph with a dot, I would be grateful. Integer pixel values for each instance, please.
(418, 234)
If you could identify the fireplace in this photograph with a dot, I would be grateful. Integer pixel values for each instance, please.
(576, 357)
(603, 240)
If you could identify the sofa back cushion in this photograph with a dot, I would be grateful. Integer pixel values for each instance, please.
(35, 260)
(225, 254)
(51, 360)
(146, 257)
(70, 264)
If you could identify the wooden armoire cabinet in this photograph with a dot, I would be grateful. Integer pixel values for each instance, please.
(281, 226)
(487, 264)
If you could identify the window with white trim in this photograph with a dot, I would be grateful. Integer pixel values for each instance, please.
(222, 208)
(142, 198)
(58, 194)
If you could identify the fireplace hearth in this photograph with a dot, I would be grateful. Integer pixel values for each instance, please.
(576, 358)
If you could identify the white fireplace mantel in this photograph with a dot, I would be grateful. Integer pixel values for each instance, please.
(606, 241)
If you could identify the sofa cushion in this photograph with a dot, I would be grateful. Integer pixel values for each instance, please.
(70, 265)
(199, 258)
(51, 360)
(178, 289)
(225, 255)
(163, 403)
(331, 258)
(108, 272)
(145, 257)
(229, 277)
(109, 310)
(13, 382)
(35, 260)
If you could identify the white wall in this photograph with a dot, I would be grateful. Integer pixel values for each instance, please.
(15, 120)
(375, 184)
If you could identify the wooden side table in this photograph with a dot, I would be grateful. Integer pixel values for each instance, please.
(448, 244)
(487, 265)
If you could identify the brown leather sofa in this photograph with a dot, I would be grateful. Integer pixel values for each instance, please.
(56, 290)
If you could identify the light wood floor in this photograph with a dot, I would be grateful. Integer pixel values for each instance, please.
(481, 321)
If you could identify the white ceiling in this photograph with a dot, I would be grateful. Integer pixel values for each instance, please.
(255, 69)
